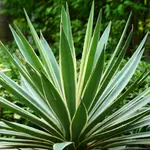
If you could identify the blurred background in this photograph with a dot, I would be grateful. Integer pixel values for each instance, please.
(45, 15)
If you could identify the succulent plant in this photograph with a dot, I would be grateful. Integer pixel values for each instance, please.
(71, 110)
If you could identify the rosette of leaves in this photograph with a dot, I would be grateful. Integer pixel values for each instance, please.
(75, 111)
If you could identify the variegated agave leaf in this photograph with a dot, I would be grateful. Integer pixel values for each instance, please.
(75, 113)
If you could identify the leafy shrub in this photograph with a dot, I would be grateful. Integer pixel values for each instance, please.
(73, 111)
(46, 14)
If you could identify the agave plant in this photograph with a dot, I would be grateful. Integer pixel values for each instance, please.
(71, 110)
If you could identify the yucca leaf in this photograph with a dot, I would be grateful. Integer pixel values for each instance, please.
(111, 85)
(15, 133)
(108, 111)
(117, 131)
(12, 60)
(129, 105)
(92, 49)
(97, 64)
(26, 49)
(128, 70)
(4, 126)
(99, 116)
(41, 101)
(87, 42)
(26, 99)
(22, 135)
(121, 122)
(67, 69)
(118, 126)
(61, 146)
(118, 123)
(19, 92)
(45, 59)
(122, 82)
(129, 142)
(32, 131)
(66, 27)
(65, 19)
(18, 65)
(6, 81)
(112, 60)
(93, 82)
(135, 107)
(55, 101)
(111, 73)
(77, 124)
(126, 93)
(34, 76)
(52, 59)
(19, 144)
(8, 145)
(127, 137)
(129, 148)
(19, 140)
(113, 69)
(115, 125)
(25, 141)
(128, 121)
(32, 118)
(70, 113)
(141, 123)
(35, 36)
(102, 43)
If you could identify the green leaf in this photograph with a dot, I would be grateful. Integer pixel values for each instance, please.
(113, 132)
(25, 98)
(34, 76)
(65, 19)
(126, 75)
(18, 65)
(127, 137)
(26, 86)
(61, 146)
(32, 131)
(21, 135)
(26, 49)
(45, 59)
(103, 91)
(87, 42)
(102, 43)
(92, 49)
(96, 114)
(113, 57)
(26, 115)
(12, 60)
(55, 101)
(122, 82)
(108, 111)
(52, 60)
(141, 123)
(67, 69)
(93, 82)
(66, 111)
(78, 122)
(25, 141)
(113, 69)
(129, 142)
(10, 145)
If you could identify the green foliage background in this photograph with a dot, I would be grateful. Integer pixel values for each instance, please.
(45, 15)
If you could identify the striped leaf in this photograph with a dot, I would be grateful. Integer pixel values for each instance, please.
(75, 113)
(67, 69)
